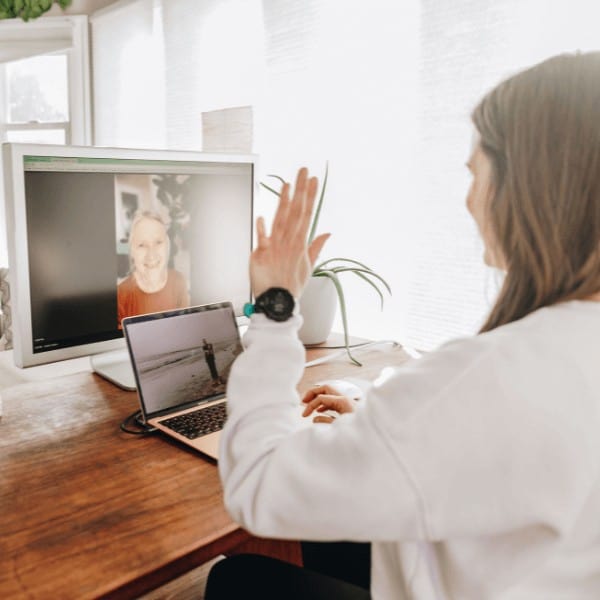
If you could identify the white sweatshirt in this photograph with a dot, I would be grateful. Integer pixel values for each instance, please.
(474, 470)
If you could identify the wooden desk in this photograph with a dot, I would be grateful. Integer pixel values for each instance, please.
(87, 511)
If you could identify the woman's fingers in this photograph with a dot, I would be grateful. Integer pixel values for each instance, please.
(293, 216)
(298, 206)
(323, 402)
(316, 246)
(308, 202)
(301, 207)
(280, 220)
(320, 389)
(261, 234)
(323, 419)
(284, 258)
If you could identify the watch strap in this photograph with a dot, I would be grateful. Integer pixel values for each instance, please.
(275, 303)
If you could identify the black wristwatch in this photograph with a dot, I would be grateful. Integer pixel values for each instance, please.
(275, 303)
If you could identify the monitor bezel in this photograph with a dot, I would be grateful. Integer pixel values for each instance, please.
(14, 192)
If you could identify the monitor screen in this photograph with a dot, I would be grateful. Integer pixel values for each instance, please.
(99, 234)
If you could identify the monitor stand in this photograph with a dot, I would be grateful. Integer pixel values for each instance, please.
(116, 367)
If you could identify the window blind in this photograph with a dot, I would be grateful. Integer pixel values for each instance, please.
(128, 75)
(381, 90)
(467, 47)
(213, 50)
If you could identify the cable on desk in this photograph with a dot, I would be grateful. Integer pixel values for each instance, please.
(135, 420)
(358, 348)
(319, 347)
(334, 355)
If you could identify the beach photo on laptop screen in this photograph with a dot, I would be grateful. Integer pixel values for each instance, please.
(183, 356)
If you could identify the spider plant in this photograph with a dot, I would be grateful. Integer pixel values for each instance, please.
(333, 267)
(28, 9)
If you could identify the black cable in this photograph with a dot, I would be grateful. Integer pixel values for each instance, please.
(318, 347)
(135, 419)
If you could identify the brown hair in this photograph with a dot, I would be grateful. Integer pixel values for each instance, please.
(541, 131)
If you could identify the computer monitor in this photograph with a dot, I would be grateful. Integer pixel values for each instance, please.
(97, 234)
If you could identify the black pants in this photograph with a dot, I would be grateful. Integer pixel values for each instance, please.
(337, 571)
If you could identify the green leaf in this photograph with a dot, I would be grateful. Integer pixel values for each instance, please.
(349, 260)
(283, 181)
(340, 292)
(7, 9)
(28, 9)
(273, 190)
(35, 12)
(315, 221)
(330, 269)
(367, 271)
(373, 284)
(270, 189)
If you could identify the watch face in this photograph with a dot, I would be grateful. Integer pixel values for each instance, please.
(276, 303)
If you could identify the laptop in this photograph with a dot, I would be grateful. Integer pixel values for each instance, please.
(181, 361)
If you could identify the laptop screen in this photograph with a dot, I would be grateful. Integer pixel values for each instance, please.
(182, 357)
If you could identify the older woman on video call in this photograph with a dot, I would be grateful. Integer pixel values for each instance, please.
(474, 471)
(151, 286)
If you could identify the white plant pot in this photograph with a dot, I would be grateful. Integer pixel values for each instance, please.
(318, 304)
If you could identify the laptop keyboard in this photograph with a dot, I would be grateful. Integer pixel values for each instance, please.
(201, 422)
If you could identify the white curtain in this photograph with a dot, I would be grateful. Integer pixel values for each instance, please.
(466, 48)
(213, 53)
(383, 91)
(129, 75)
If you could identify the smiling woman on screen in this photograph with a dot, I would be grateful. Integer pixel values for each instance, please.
(475, 471)
(151, 286)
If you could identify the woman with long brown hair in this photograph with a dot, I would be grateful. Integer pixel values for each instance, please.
(474, 471)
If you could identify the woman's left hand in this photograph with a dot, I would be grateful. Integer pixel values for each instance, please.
(284, 259)
(323, 398)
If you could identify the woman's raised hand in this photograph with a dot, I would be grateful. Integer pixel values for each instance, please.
(284, 259)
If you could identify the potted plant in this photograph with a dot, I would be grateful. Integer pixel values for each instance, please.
(329, 271)
(28, 9)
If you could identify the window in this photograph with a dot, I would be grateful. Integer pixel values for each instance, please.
(37, 100)
(44, 86)
(44, 94)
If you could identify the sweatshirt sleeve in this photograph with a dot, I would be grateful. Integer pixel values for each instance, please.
(321, 482)
(464, 443)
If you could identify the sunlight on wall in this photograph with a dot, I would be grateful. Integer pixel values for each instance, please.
(342, 87)
(129, 76)
(214, 55)
(382, 90)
